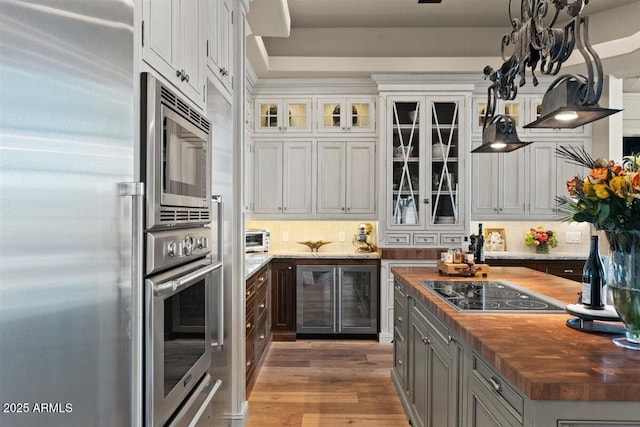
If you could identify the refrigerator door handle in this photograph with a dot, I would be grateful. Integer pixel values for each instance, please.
(135, 190)
(218, 201)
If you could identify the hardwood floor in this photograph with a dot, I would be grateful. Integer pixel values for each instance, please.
(330, 383)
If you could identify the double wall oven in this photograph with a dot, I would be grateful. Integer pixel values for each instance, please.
(183, 266)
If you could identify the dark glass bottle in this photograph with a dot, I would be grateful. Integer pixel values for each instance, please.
(593, 279)
(480, 246)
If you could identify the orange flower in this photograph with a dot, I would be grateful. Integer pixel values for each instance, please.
(598, 175)
(572, 186)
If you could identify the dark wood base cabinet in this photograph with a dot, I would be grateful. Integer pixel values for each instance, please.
(258, 323)
(283, 300)
(568, 268)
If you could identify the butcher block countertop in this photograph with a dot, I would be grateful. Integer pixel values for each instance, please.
(537, 352)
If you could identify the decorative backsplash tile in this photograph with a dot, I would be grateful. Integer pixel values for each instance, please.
(285, 234)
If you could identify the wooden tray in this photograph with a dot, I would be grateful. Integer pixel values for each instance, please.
(451, 269)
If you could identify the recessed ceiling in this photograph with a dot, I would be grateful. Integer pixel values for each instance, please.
(377, 30)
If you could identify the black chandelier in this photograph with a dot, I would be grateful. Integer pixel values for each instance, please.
(571, 100)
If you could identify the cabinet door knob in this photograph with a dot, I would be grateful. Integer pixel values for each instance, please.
(178, 72)
(289, 268)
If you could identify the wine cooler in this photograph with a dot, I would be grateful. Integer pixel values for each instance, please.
(337, 299)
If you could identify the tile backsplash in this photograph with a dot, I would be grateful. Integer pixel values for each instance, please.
(515, 231)
(286, 234)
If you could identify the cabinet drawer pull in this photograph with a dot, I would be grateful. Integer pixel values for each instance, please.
(248, 364)
(261, 305)
(568, 271)
(261, 279)
(426, 340)
(262, 337)
(400, 319)
(495, 383)
(248, 325)
(399, 362)
(249, 293)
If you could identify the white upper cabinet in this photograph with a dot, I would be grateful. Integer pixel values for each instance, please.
(275, 115)
(220, 40)
(346, 114)
(172, 44)
(498, 184)
(346, 177)
(425, 181)
(283, 174)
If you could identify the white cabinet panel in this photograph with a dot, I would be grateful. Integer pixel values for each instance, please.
(346, 177)
(172, 44)
(283, 173)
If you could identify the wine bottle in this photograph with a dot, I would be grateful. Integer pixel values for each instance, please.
(480, 246)
(593, 279)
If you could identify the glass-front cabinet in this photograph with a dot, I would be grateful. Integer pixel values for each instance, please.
(425, 169)
(283, 115)
(346, 114)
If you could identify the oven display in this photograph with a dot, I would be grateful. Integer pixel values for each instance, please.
(184, 333)
(184, 161)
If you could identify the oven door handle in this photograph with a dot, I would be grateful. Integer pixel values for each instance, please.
(174, 285)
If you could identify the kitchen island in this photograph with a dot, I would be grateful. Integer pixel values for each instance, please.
(506, 368)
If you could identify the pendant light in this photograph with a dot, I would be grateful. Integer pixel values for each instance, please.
(499, 132)
(571, 100)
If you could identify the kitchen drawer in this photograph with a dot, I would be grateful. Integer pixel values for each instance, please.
(441, 330)
(262, 278)
(398, 238)
(250, 323)
(425, 239)
(451, 239)
(400, 362)
(400, 321)
(507, 395)
(250, 355)
(261, 339)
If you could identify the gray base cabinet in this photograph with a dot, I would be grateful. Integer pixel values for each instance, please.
(442, 382)
(427, 368)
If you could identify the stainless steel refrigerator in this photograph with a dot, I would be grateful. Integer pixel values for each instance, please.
(69, 302)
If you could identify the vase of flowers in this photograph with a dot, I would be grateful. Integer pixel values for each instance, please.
(541, 239)
(609, 198)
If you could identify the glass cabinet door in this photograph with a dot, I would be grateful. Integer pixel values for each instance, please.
(358, 298)
(445, 166)
(405, 163)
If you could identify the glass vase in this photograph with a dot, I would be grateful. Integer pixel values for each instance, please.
(542, 249)
(623, 281)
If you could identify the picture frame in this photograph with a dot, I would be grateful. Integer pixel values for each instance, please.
(495, 240)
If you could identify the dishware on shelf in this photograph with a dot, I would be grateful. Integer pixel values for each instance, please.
(436, 151)
(413, 118)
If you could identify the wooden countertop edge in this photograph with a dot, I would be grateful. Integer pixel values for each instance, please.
(606, 382)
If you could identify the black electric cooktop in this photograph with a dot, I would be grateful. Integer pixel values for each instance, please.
(492, 296)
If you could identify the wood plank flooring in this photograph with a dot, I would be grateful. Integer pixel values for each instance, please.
(309, 383)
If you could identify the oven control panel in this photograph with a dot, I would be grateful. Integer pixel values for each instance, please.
(169, 248)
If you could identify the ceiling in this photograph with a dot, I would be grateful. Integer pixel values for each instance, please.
(319, 38)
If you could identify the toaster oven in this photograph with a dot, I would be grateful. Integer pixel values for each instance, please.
(257, 240)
